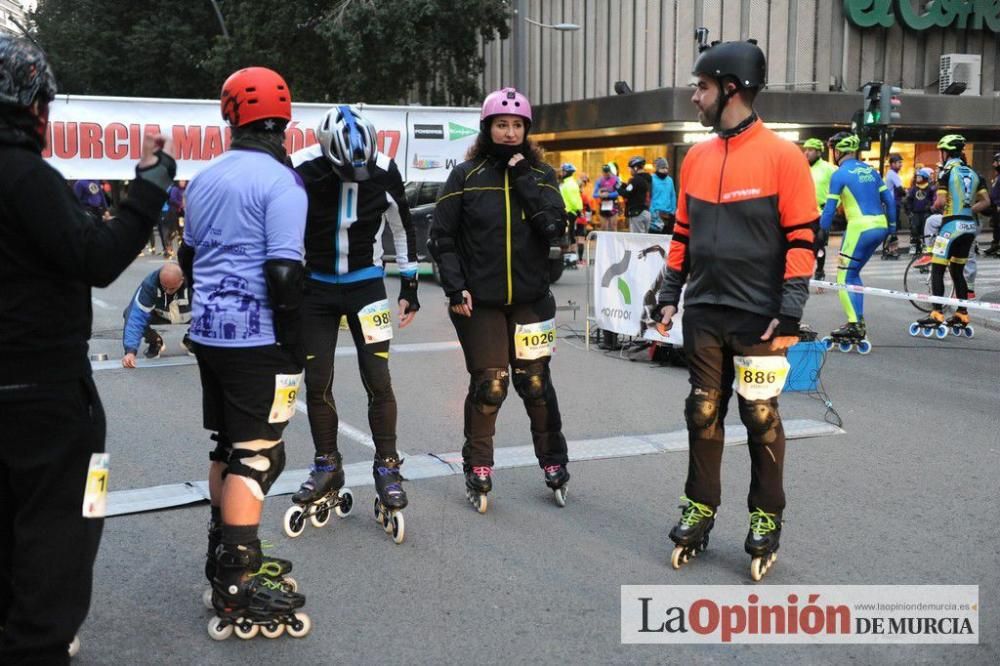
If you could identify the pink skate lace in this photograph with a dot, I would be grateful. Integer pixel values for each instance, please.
(552, 469)
(482, 471)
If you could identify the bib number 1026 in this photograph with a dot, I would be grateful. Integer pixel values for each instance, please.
(532, 341)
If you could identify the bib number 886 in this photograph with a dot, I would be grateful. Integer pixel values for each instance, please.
(758, 377)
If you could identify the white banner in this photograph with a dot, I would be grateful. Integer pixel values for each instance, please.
(626, 278)
(101, 137)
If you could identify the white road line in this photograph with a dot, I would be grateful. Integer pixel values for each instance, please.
(101, 304)
(348, 431)
(429, 465)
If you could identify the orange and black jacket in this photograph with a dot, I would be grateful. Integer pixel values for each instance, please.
(492, 229)
(744, 231)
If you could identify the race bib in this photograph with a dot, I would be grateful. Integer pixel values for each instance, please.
(286, 390)
(760, 377)
(533, 341)
(376, 324)
(941, 246)
(607, 205)
(95, 492)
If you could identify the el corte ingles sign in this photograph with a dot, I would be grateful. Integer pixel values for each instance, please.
(959, 14)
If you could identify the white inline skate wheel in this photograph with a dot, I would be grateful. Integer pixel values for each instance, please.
(941, 331)
(321, 516)
(289, 584)
(377, 511)
(398, 527)
(914, 329)
(74, 647)
(560, 496)
(482, 501)
(828, 341)
(677, 557)
(206, 598)
(845, 347)
(247, 633)
(294, 522)
(219, 631)
(273, 630)
(969, 331)
(303, 625)
(864, 347)
(757, 568)
(927, 332)
(343, 509)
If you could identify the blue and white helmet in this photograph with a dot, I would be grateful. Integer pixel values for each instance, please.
(349, 141)
(568, 168)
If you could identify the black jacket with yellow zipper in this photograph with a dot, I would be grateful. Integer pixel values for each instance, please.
(492, 229)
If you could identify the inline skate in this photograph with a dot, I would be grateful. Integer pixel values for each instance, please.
(321, 495)
(275, 568)
(762, 542)
(478, 483)
(847, 336)
(932, 324)
(391, 498)
(691, 532)
(557, 478)
(958, 323)
(248, 603)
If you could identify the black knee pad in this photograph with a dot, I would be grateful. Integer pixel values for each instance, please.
(488, 389)
(701, 411)
(259, 466)
(532, 382)
(761, 419)
(223, 448)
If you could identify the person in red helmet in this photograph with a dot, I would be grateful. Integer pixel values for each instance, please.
(242, 254)
(493, 224)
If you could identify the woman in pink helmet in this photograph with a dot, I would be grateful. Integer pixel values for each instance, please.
(493, 225)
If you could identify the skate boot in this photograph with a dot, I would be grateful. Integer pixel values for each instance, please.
(391, 498)
(187, 345)
(275, 568)
(478, 483)
(932, 324)
(247, 602)
(958, 323)
(691, 532)
(557, 478)
(992, 251)
(154, 348)
(847, 336)
(320, 496)
(762, 542)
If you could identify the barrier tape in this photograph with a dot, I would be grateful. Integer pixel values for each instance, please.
(907, 296)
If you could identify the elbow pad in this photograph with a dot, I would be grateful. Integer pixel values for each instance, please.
(284, 284)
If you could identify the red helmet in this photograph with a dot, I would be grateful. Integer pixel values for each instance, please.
(255, 93)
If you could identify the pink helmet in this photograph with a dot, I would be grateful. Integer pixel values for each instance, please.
(506, 100)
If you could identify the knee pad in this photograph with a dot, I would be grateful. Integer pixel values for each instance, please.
(532, 382)
(761, 419)
(223, 448)
(258, 464)
(488, 389)
(701, 411)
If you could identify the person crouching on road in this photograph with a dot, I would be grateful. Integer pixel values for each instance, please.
(493, 224)
(162, 298)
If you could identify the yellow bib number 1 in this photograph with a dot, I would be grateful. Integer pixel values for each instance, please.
(760, 377)
(286, 391)
(95, 493)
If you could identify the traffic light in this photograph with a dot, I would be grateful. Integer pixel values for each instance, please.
(871, 103)
(889, 104)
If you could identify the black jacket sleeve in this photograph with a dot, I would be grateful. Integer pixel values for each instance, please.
(443, 235)
(538, 193)
(78, 246)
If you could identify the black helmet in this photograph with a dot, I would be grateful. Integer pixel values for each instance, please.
(25, 74)
(637, 162)
(743, 62)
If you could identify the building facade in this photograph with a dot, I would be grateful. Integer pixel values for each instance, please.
(13, 12)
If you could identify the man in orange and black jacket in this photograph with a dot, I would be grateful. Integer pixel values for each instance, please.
(743, 244)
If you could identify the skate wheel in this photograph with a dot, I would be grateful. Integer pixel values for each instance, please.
(206, 598)
(377, 510)
(927, 332)
(273, 630)
(346, 503)
(677, 557)
(398, 528)
(294, 522)
(757, 568)
(914, 329)
(219, 630)
(289, 584)
(322, 515)
(560, 495)
(864, 347)
(845, 346)
(941, 332)
(828, 341)
(479, 501)
(246, 631)
(969, 331)
(301, 626)
(74, 647)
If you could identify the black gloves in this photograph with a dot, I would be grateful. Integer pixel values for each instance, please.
(408, 292)
(160, 174)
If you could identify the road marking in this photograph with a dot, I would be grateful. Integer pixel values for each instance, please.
(101, 304)
(349, 431)
(428, 465)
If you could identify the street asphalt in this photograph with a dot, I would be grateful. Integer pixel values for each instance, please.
(907, 495)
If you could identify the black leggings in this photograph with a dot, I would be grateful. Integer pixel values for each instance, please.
(487, 339)
(322, 308)
(712, 336)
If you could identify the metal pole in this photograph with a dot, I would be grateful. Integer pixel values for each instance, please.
(218, 14)
(519, 45)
